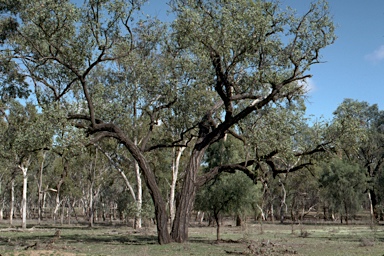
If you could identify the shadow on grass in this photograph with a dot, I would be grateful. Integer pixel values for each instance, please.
(111, 239)
(202, 240)
(47, 236)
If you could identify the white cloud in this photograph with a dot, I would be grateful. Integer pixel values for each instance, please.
(309, 85)
(377, 55)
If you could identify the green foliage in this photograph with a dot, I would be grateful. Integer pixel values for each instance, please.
(26, 131)
(247, 35)
(228, 194)
(362, 141)
(378, 185)
(12, 81)
(342, 185)
(349, 124)
(302, 192)
(224, 152)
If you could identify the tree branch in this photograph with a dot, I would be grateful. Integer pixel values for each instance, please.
(230, 168)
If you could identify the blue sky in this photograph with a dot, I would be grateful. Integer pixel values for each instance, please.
(353, 66)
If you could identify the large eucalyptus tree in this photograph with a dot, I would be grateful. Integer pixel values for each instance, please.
(366, 147)
(219, 63)
(252, 55)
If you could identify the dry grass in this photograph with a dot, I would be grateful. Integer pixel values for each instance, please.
(275, 239)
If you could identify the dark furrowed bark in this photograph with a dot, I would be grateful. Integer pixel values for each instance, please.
(184, 208)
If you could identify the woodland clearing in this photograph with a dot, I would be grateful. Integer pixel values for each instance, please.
(250, 239)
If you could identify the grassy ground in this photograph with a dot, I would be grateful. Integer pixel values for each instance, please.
(272, 239)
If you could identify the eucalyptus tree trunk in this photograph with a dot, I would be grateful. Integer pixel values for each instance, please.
(91, 193)
(57, 199)
(175, 173)
(12, 203)
(24, 199)
(373, 204)
(371, 208)
(139, 197)
(239, 220)
(121, 172)
(24, 169)
(69, 211)
(139, 188)
(346, 212)
(62, 212)
(217, 220)
(40, 189)
(2, 210)
(127, 183)
(188, 193)
(90, 206)
(283, 205)
(2, 203)
(44, 200)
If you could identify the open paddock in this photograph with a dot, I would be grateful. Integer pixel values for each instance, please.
(251, 239)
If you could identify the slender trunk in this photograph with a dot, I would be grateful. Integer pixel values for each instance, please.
(139, 188)
(40, 189)
(294, 211)
(44, 201)
(175, 173)
(62, 213)
(72, 205)
(90, 206)
(121, 172)
(92, 177)
(2, 211)
(12, 204)
(58, 188)
(200, 217)
(114, 212)
(2, 204)
(217, 219)
(239, 221)
(68, 211)
(57, 200)
(325, 212)
(187, 198)
(95, 199)
(24, 169)
(262, 214)
(346, 212)
(139, 197)
(371, 208)
(283, 205)
(373, 202)
(127, 183)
